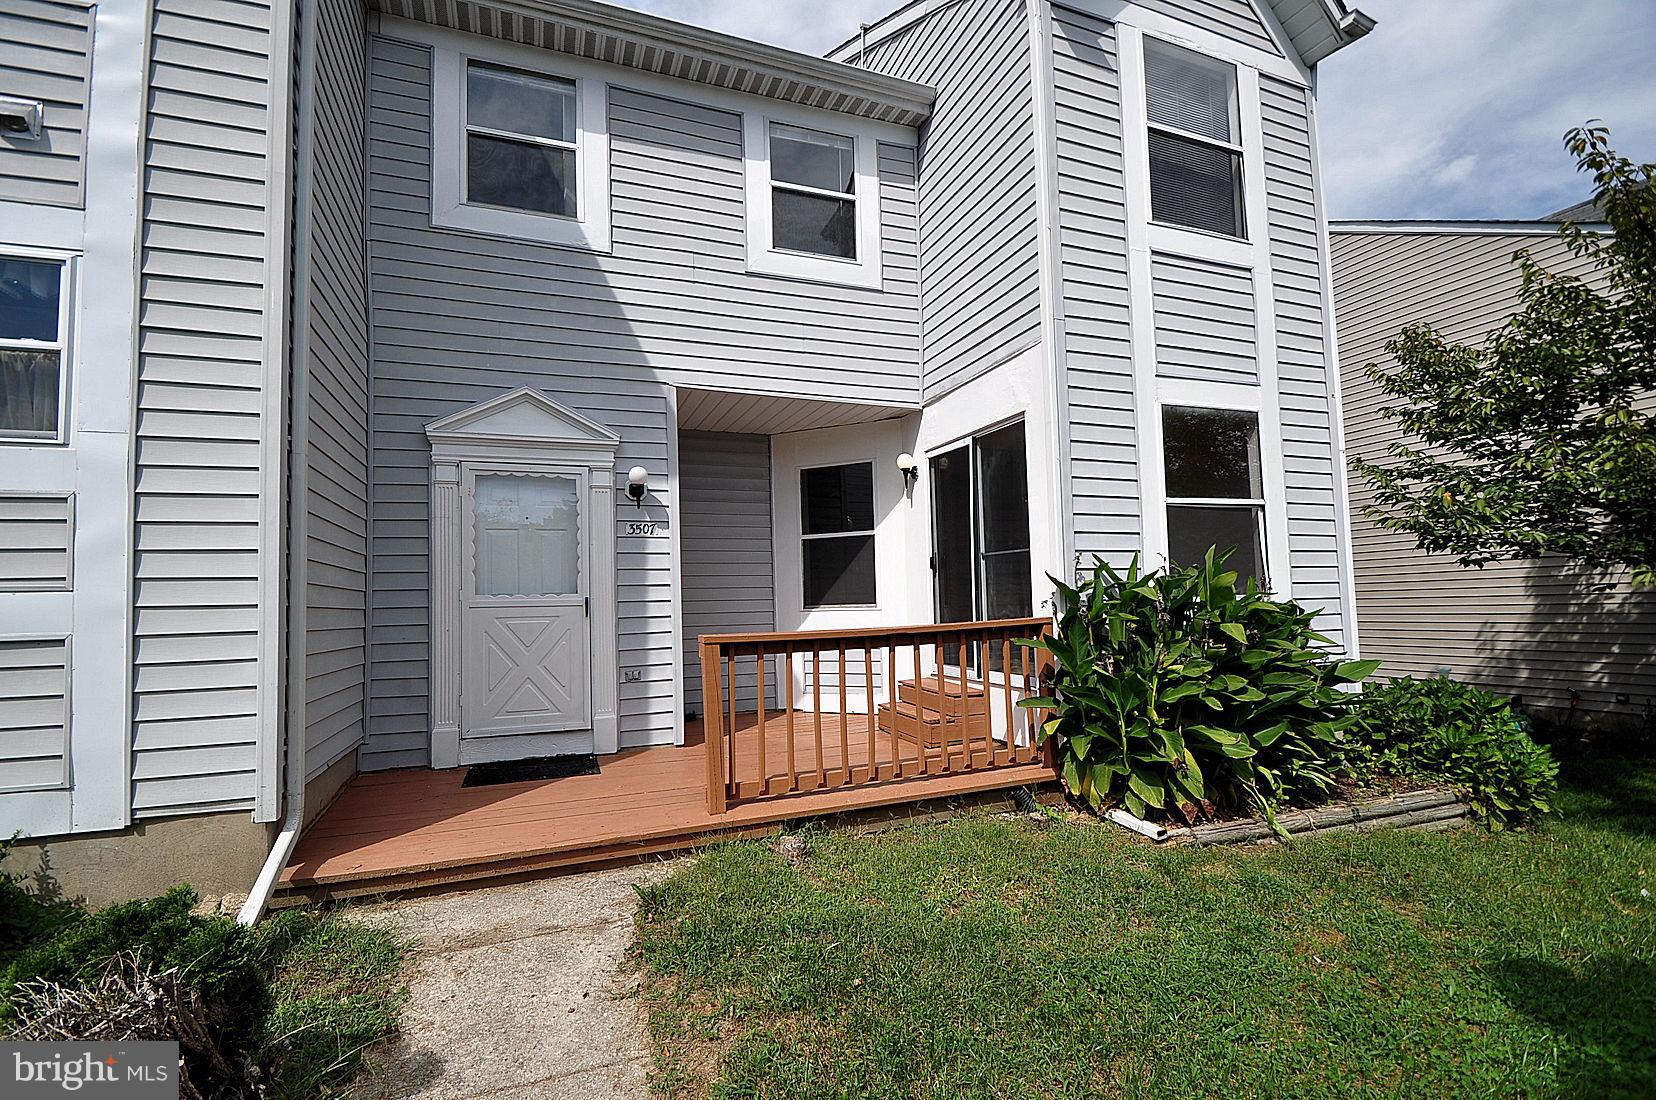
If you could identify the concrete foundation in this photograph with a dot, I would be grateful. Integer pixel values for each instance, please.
(218, 854)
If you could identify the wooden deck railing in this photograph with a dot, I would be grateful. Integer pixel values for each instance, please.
(792, 712)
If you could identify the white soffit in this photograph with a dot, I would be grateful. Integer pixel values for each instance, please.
(759, 414)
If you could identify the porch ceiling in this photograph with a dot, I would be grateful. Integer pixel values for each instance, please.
(761, 414)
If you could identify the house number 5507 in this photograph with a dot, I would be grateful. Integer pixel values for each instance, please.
(644, 528)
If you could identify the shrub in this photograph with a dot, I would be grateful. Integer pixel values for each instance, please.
(1175, 693)
(221, 961)
(1449, 732)
(28, 917)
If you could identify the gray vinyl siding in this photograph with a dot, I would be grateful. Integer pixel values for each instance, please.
(1304, 377)
(728, 580)
(1236, 20)
(979, 225)
(458, 318)
(36, 532)
(1092, 218)
(46, 55)
(201, 369)
(1205, 320)
(1531, 628)
(336, 623)
(34, 714)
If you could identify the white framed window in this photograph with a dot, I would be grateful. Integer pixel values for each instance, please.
(813, 201)
(519, 149)
(1215, 487)
(36, 295)
(1194, 140)
(837, 535)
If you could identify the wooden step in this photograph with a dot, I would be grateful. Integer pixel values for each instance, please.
(947, 698)
(929, 729)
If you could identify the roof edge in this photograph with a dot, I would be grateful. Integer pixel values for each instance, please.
(1465, 227)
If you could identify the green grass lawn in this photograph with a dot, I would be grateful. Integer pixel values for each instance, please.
(992, 957)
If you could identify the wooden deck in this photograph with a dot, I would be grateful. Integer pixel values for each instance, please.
(417, 828)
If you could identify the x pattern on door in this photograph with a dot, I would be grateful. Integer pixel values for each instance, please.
(527, 662)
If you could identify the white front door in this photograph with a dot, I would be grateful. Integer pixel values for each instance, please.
(525, 662)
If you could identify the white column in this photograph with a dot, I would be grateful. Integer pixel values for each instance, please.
(445, 614)
(606, 733)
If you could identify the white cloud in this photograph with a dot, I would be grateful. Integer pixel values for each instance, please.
(1450, 109)
(1457, 110)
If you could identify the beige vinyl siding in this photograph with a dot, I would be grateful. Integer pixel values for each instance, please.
(458, 318)
(1531, 628)
(336, 533)
(34, 714)
(1236, 20)
(979, 230)
(1103, 459)
(728, 580)
(1304, 372)
(201, 373)
(36, 533)
(1205, 320)
(46, 55)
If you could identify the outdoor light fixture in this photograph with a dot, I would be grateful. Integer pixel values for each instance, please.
(638, 481)
(20, 117)
(909, 467)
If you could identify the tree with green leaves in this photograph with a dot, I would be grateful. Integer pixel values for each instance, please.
(1543, 439)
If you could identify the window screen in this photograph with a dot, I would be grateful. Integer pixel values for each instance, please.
(520, 141)
(813, 192)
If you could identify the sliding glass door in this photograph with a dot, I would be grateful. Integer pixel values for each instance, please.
(980, 531)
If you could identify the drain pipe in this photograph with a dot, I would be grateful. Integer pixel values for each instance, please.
(293, 780)
(1138, 825)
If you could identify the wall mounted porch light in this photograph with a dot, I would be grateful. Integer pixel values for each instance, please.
(638, 483)
(909, 468)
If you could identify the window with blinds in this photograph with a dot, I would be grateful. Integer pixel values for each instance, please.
(1195, 143)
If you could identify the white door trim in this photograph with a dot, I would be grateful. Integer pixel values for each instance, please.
(523, 428)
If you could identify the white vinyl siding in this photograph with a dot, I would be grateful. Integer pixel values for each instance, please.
(46, 55)
(202, 360)
(1103, 460)
(36, 533)
(1205, 323)
(458, 318)
(34, 714)
(1304, 374)
(1236, 20)
(727, 575)
(336, 620)
(1533, 628)
(979, 227)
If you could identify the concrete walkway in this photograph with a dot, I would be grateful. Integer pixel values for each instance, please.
(519, 991)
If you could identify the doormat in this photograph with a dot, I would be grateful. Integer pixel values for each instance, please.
(532, 769)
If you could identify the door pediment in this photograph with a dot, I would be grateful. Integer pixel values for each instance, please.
(524, 419)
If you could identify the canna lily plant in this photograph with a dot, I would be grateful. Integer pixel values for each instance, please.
(1178, 695)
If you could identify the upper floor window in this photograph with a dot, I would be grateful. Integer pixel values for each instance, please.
(519, 149)
(520, 141)
(813, 203)
(813, 192)
(1215, 487)
(1194, 139)
(34, 318)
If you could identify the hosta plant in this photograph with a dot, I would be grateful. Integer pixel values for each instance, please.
(1177, 694)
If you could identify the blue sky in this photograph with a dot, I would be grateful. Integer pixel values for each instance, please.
(1450, 109)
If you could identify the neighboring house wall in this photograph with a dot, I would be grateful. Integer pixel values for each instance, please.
(979, 226)
(1531, 628)
(336, 534)
(46, 55)
(207, 527)
(460, 317)
(728, 580)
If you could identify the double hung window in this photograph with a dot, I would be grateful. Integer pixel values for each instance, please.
(837, 521)
(521, 150)
(1215, 488)
(34, 313)
(1194, 140)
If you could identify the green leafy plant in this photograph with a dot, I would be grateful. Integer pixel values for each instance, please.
(28, 917)
(1173, 693)
(1446, 731)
